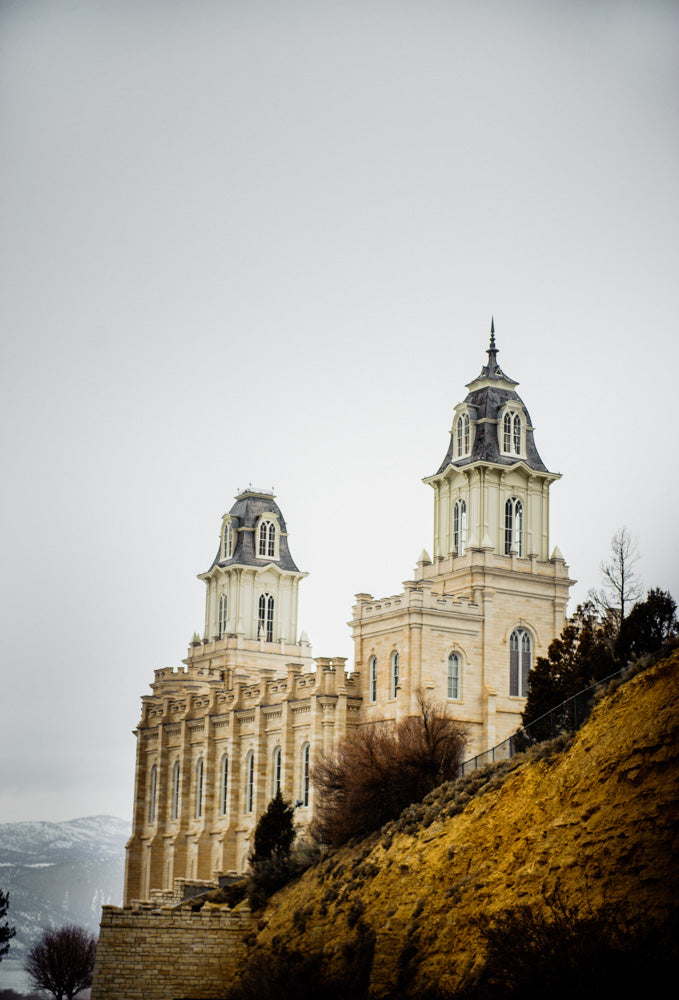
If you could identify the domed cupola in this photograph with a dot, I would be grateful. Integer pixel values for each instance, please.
(252, 584)
(254, 533)
(492, 424)
(491, 489)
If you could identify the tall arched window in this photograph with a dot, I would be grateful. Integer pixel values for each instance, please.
(267, 539)
(224, 785)
(453, 676)
(520, 653)
(249, 781)
(394, 673)
(226, 540)
(175, 790)
(199, 788)
(463, 434)
(277, 767)
(517, 434)
(372, 669)
(153, 778)
(221, 617)
(460, 527)
(265, 622)
(513, 526)
(306, 766)
(507, 436)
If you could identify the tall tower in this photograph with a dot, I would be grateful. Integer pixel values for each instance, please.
(468, 627)
(491, 490)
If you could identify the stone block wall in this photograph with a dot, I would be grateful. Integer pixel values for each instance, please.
(169, 953)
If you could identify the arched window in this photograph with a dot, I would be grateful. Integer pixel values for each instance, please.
(265, 622)
(462, 434)
(249, 781)
(453, 676)
(199, 788)
(175, 790)
(517, 434)
(507, 442)
(513, 526)
(223, 785)
(460, 527)
(372, 669)
(221, 618)
(277, 762)
(267, 539)
(394, 673)
(520, 653)
(153, 777)
(226, 540)
(306, 761)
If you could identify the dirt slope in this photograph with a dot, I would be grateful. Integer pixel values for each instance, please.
(600, 819)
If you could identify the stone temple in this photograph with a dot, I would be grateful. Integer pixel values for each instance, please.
(251, 709)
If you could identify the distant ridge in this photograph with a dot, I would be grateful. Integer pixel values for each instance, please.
(59, 873)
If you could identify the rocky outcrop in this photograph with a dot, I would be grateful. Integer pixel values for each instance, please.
(599, 820)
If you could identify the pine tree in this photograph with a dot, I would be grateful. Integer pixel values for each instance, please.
(6, 932)
(275, 831)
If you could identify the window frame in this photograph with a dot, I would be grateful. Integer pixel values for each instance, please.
(176, 780)
(460, 526)
(267, 541)
(200, 774)
(222, 612)
(266, 608)
(224, 785)
(372, 679)
(153, 785)
(520, 661)
(394, 674)
(454, 675)
(305, 783)
(277, 770)
(249, 781)
(227, 540)
(513, 529)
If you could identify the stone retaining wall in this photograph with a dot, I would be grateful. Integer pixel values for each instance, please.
(169, 953)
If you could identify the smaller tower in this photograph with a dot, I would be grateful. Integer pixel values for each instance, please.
(252, 584)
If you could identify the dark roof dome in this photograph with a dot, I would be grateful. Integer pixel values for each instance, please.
(249, 507)
(488, 394)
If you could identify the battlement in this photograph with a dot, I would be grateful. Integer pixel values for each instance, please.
(176, 696)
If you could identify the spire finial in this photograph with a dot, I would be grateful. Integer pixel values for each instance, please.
(492, 350)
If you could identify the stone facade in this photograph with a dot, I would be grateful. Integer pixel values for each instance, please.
(251, 710)
(169, 953)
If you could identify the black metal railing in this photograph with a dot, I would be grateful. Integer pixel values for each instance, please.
(564, 718)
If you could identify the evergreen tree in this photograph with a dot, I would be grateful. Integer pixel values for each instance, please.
(275, 831)
(6, 932)
(579, 657)
(648, 626)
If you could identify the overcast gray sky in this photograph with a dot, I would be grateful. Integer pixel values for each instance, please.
(262, 242)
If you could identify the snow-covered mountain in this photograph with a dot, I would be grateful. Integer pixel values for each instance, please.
(60, 873)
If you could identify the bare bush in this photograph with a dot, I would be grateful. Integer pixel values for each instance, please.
(382, 768)
(61, 962)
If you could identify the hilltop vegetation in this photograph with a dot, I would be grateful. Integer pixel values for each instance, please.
(568, 847)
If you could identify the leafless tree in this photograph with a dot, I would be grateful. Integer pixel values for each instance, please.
(620, 583)
(61, 962)
(383, 767)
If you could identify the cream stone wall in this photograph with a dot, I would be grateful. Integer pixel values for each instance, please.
(148, 953)
(468, 605)
(233, 698)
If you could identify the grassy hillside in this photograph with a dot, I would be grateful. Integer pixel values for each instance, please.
(597, 820)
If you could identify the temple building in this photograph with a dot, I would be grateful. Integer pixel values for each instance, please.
(251, 710)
